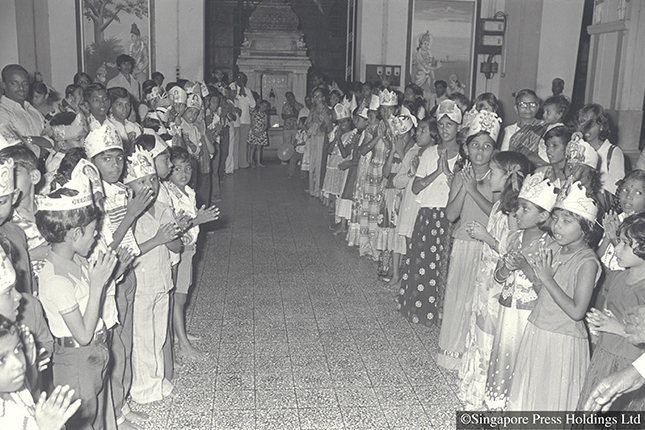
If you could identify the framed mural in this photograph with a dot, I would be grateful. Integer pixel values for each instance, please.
(109, 28)
(441, 45)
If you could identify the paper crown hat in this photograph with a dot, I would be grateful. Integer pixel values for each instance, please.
(160, 144)
(155, 93)
(7, 272)
(374, 102)
(64, 132)
(162, 113)
(102, 139)
(449, 108)
(177, 94)
(194, 101)
(573, 197)
(485, 121)
(353, 104)
(388, 98)
(81, 186)
(404, 122)
(6, 177)
(581, 152)
(341, 110)
(363, 113)
(140, 164)
(539, 190)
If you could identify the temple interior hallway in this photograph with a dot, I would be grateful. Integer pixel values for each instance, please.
(300, 332)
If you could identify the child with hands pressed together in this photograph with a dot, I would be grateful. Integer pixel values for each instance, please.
(508, 170)
(470, 199)
(613, 351)
(426, 259)
(16, 401)
(183, 199)
(515, 277)
(553, 355)
(72, 292)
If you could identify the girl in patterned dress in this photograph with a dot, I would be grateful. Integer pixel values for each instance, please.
(508, 170)
(470, 200)
(424, 265)
(259, 136)
(553, 355)
(515, 278)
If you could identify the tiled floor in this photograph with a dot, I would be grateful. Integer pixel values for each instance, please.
(300, 332)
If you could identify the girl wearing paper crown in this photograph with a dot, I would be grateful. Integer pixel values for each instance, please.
(553, 355)
(403, 126)
(470, 199)
(512, 279)
(339, 150)
(582, 165)
(425, 270)
(380, 146)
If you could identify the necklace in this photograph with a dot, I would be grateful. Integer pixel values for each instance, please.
(483, 177)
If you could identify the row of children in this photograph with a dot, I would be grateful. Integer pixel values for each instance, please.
(501, 249)
(107, 247)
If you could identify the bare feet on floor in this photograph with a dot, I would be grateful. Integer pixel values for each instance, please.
(190, 352)
(136, 417)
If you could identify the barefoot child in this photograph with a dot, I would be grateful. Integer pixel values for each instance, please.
(183, 198)
(258, 136)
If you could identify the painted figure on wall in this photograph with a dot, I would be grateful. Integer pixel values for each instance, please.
(139, 51)
(426, 64)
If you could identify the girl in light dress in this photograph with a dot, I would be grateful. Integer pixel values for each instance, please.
(613, 352)
(553, 355)
(426, 136)
(515, 277)
(508, 170)
(424, 270)
(470, 200)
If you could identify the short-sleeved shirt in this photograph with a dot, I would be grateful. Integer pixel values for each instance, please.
(153, 270)
(64, 288)
(611, 171)
(124, 130)
(436, 194)
(116, 206)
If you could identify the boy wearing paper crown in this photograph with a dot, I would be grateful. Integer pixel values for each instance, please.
(68, 130)
(72, 291)
(105, 150)
(10, 230)
(157, 235)
(199, 146)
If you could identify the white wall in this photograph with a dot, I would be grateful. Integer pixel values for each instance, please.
(179, 38)
(382, 34)
(8, 33)
(561, 21)
(62, 41)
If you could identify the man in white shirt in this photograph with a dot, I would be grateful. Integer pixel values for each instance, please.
(244, 101)
(629, 379)
(18, 118)
(125, 79)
